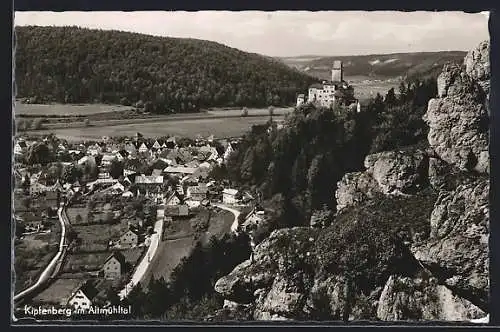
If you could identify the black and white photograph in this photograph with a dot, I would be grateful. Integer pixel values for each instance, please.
(251, 166)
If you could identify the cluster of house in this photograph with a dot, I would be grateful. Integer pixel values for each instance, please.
(328, 93)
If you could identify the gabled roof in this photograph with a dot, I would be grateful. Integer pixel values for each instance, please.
(89, 289)
(175, 193)
(119, 257)
(156, 145)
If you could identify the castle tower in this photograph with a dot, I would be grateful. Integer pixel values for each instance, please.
(337, 71)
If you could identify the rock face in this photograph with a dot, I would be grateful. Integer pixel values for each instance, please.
(458, 119)
(398, 172)
(388, 173)
(457, 251)
(477, 65)
(354, 188)
(405, 298)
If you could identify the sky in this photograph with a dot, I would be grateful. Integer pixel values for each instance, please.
(292, 33)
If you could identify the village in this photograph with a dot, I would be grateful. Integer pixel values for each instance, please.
(90, 216)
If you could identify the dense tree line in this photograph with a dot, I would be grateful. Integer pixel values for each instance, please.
(75, 65)
(300, 165)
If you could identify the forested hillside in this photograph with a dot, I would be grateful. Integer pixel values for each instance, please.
(379, 66)
(76, 65)
(299, 165)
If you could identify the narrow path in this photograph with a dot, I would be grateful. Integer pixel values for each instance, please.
(143, 266)
(51, 267)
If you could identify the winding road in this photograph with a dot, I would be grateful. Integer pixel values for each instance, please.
(141, 269)
(53, 266)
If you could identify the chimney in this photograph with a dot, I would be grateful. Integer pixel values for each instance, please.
(337, 71)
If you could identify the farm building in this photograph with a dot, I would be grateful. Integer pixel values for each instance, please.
(114, 266)
(229, 196)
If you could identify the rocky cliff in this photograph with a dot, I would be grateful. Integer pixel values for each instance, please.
(410, 237)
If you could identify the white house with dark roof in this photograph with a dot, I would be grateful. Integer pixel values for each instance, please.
(143, 148)
(229, 196)
(83, 296)
(20, 147)
(156, 145)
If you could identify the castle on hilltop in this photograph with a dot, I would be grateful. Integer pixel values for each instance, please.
(328, 93)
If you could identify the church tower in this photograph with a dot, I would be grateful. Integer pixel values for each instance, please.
(337, 71)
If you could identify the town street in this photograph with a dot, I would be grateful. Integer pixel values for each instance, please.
(47, 272)
(148, 256)
(236, 214)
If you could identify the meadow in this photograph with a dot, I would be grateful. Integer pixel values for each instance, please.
(42, 110)
(220, 127)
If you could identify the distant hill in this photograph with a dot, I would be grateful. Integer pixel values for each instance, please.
(76, 65)
(377, 66)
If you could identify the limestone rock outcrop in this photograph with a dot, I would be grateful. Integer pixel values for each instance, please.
(457, 251)
(458, 118)
(417, 298)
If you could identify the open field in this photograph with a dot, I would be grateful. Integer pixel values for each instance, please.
(251, 111)
(58, 292)
(222, 127)
(168, 256)
(77, 262)
(72, 212)
(133, 255)
(220, 224)
(99, 235)
(65, 109)
(178, 228)
(366, 88)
